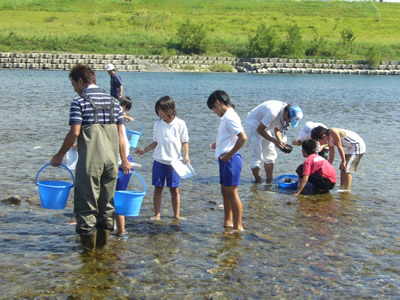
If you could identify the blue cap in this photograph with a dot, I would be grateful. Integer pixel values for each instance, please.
(296, 114)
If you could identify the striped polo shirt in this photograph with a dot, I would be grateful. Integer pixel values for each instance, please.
(81, 112)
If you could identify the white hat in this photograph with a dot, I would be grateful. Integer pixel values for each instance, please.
(110, 67)
(306, 131)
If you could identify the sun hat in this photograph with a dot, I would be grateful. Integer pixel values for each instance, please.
(110, 67)
(306, 131)
(296, 114)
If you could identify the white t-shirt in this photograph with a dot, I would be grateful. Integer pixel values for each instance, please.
(270, 113)
(352, 143)
(305, 133)
(169, 138)
(229, 127)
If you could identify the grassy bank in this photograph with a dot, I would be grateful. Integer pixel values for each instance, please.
(224, 27)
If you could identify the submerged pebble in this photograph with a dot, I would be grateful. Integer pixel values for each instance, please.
(16, 199)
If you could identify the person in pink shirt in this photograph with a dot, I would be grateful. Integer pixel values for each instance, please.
(315, 170)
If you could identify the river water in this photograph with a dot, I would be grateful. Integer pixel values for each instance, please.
(339, 245)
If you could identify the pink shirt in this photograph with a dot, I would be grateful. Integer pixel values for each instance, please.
(317, 164)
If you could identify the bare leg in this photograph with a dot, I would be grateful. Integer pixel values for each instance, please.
(257, 174)
(228, 222)
(269, 169)
(232, 199)
(120, 220)
(176, 201)
(345, 180)
(157, 201)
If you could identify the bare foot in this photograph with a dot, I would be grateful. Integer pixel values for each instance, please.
(179, 218)
(155, 218)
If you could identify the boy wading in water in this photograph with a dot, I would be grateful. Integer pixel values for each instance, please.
(230, 138)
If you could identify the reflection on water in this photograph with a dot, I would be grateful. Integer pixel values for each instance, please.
(339, 245)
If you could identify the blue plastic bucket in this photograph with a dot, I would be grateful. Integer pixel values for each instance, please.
(288, 181)
(54, 194)
(128, 203)
(133, 136)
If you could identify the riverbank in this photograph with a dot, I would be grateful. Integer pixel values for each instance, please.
(158, 63)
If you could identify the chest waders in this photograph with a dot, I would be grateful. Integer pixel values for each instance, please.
(96, 177)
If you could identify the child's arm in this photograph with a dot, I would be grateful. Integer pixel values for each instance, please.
(337, 141)
(126, 117)
(185, 147)
(331, 154)
(242, 138)
(302, 184)
(141, 151)
(126, 165)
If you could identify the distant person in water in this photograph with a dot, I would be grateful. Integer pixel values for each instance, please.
(315, 169)
(117, 89)
(351, 148)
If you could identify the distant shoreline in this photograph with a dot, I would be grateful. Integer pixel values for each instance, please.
(157, 63)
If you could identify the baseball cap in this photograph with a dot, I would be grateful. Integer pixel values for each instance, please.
(296, 114)
(110, 67)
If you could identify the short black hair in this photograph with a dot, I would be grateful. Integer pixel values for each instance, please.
(309, 146)
(167, 105)
(126, 101)
(317, 132)
(221, 96)
(84, 72)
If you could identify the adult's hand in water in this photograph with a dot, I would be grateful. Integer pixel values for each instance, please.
(56, 160)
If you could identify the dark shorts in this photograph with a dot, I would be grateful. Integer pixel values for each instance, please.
(229, 172)
(320, 183)
(162, 172)
(123, 179)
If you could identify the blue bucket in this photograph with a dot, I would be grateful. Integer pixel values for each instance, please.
(54, 194)
(288, 181)
(128, 203)
(133, 136)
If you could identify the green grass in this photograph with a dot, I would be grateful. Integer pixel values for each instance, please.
(150, 26)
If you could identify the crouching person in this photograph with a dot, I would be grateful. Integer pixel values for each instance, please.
(315, 170)
(96, 121)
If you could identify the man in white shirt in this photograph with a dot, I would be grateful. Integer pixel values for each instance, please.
(264, 127)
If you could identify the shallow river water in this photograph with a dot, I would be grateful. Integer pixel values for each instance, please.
(339, 245)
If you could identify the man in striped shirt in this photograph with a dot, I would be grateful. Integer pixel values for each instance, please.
(96, 121)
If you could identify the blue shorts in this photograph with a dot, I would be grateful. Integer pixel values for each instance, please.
(162, 172)
(229, 172)
(123, 179)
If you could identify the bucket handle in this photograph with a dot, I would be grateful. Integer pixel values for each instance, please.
(62, 165)
(140, 124)
(140, 177)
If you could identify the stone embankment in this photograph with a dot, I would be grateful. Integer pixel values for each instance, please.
(312, 66)
(156, 63)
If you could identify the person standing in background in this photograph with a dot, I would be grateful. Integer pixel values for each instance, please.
(117, 89)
